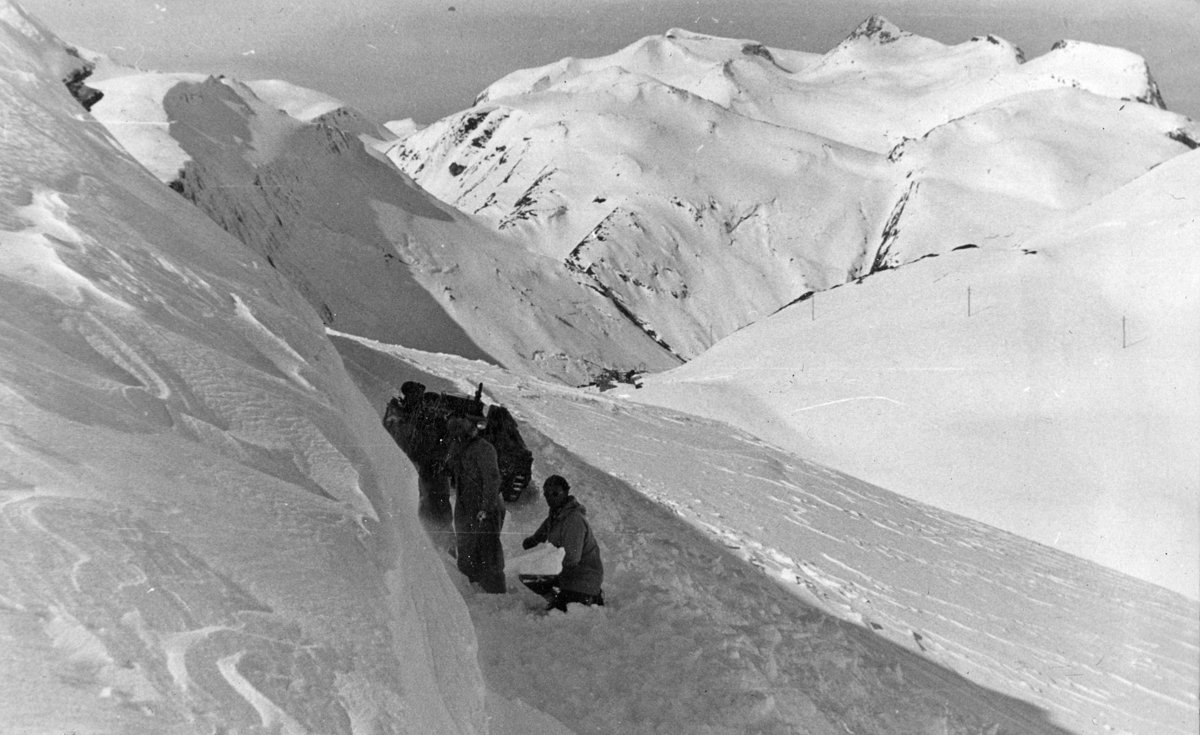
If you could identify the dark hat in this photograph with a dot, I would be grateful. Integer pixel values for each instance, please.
(557, 481)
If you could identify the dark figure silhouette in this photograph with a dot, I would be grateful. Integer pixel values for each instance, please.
(478, 508)
(515, 460)
(419, 428)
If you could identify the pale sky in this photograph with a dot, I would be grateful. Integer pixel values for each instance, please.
(429, 58)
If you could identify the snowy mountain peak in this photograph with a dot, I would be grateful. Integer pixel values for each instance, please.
(1012, 49)
(877, 30)
(1106, 70)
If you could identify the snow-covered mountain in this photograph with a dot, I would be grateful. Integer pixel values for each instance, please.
(205, 528)
(660, 207)
(704, 183)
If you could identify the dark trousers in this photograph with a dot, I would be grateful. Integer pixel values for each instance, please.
(546, 585)
(480, 555)
(562, 598)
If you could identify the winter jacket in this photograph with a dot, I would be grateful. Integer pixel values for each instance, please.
(568, 529)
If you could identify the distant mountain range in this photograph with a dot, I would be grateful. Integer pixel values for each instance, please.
(638, 208)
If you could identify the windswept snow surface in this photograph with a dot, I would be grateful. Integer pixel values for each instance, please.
(1053, 391)
(692, 640)
(203, 528)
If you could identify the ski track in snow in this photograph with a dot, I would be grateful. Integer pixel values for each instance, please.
(984, 603)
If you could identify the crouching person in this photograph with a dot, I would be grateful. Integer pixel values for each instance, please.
(566, 527)
(478, 508)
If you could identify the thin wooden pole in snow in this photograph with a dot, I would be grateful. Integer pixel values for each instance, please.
(1123, 340)
(814, 306)
(968, 301)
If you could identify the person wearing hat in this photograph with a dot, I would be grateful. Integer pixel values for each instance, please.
(478, 508)
(567, 528)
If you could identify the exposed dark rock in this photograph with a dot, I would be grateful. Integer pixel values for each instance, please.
(1182, 136)
(878, 29)
(87, 96)
(891, 231)
(759, 50)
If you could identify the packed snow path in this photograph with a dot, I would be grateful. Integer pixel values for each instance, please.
(1099, 651)
(694, 640)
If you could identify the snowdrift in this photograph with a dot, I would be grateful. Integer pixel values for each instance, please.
(740, 623)
(203, 527)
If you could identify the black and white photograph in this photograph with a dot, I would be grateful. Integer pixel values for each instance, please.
(548, 367)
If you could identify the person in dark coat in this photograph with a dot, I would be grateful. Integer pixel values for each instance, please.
(478, 508)
(566, 527)
(420, 431)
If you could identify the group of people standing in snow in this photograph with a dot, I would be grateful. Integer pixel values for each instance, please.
(454, 454)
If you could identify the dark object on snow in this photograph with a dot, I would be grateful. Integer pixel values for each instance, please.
(419, 429)
(420, 419)
(516, 461)
(546, 585)
(478, 508)
(85, 95)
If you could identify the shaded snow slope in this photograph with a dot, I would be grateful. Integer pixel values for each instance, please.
(692, 640)
(998, 175)
(1050, 391)
(203, 528)
(369, 249)
(366, 246)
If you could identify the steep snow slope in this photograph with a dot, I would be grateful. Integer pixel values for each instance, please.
(998, 175)
(690, 642)
(202, 526)
(369, 249)
(1050, 391)
(695, 219)
(702, 185)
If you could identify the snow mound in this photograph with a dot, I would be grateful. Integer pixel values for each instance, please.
(203, 525)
